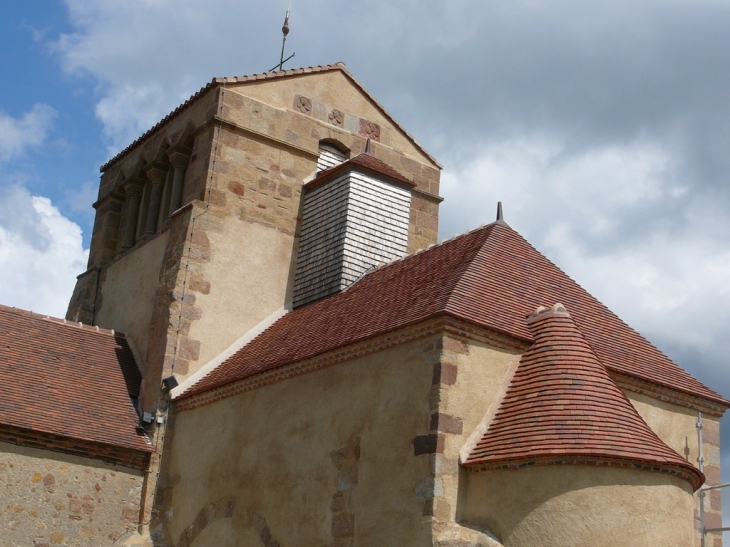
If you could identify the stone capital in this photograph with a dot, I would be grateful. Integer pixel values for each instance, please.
(156, 172)
(179, 156)
(133, 187)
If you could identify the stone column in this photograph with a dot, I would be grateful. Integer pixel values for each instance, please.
(156, 174)
(179, 158)
(133, 194)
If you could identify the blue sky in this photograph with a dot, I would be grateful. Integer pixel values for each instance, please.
(65, 167)
(603, 126)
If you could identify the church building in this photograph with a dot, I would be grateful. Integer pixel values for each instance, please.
(270, 348)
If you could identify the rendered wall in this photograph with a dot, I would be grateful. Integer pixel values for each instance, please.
(480, 371)
(475, 374)
(128, 288)
(577, 506)
(49, 498)
(329, 457)
(676, 426)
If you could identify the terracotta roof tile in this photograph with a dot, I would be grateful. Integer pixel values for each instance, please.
(277, 74)
(562, 403)
(65, 379)
(365, 162)
(490, 277)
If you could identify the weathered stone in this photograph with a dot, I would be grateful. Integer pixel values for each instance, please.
(343, 525)
(129, 513)
(444, 373)
(446, 424)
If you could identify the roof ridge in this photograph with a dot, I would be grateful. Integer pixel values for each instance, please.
(397, 259)
(562, 403)
(59, 321)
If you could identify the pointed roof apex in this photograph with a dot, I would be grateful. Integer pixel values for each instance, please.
(562, 407)
(500, 216)
(368, 148)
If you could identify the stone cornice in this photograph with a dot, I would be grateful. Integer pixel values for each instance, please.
(111, 196)
(232, 126)
(442, 324)
(695, 478)
(427, 195)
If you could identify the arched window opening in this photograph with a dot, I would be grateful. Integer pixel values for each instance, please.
(330, 155)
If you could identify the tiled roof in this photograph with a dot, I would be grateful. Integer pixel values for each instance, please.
(490, 277)
(68, 381)
(366, 162)
(563, 406)
(277, 74)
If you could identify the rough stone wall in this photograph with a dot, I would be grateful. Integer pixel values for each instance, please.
(676, 426)
(334, 457)
(49, 498)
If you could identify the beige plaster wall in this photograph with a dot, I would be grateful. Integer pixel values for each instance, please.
(128, 292)
(483, 372)
(331, 90)
(49, 498)
(676, 426)
(251, 278)
(571, 505)
(322, 458)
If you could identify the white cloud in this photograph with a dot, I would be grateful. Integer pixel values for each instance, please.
(148, 56)
(30, 130)
(41, 253)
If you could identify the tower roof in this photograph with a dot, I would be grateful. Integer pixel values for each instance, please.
(490, 277)
(563, 407)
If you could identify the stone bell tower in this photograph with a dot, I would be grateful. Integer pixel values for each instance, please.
(196, 232)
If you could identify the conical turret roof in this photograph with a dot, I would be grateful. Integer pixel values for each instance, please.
(563, 407)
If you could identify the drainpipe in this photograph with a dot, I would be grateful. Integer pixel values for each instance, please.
(701, 461)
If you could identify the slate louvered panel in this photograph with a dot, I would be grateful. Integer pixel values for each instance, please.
(349, 224)
(329, 157)
(324, 223)
(377, 222)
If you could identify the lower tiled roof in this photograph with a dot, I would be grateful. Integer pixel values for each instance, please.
(68, 381)
(490, 277)
(562, 406)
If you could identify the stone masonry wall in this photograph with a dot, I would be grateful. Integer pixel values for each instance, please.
(49, 498)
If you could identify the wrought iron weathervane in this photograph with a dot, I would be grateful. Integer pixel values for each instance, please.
(284, 31)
